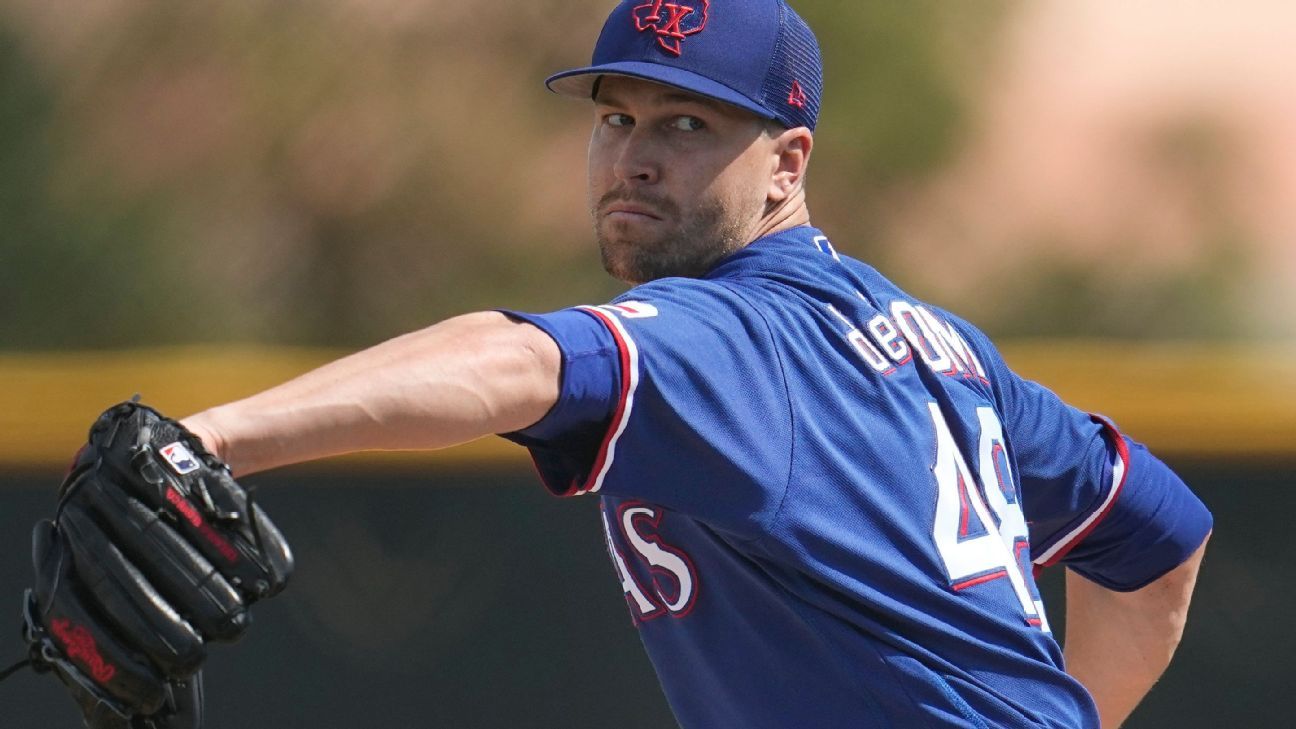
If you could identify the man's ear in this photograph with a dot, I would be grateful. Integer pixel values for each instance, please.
(792, 150)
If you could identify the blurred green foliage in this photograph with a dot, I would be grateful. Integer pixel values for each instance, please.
(337, 173)
(66, 265)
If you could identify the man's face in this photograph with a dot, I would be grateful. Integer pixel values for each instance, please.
(676, 181)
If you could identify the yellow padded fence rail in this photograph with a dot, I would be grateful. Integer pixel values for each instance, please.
(1212, 401)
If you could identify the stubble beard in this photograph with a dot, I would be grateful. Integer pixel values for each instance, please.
(690, 248)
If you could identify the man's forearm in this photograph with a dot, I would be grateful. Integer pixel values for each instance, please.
(461, 379)
(1119, 643)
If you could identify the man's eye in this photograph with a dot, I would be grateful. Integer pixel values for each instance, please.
(687, 123)
(618, 120)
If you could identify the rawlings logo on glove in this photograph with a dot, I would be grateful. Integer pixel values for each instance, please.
(79, 645)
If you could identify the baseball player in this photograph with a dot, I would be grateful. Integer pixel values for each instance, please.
(824, 499)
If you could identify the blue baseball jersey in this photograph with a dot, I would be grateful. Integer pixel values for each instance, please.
(824, 500)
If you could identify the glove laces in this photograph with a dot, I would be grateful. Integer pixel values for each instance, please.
(15, 668)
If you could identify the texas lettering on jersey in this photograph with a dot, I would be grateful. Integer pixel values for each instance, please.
(657, 578)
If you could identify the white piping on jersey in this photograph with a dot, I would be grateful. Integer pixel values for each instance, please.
(609, 317)
(1118, 477)
(842, 316)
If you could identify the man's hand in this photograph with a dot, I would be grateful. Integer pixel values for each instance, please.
(154, 551)
(1119, 643)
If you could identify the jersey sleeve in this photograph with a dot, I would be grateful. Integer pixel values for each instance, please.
(565, 443)
(699, 419)
(1158, 524)
(1094, 500)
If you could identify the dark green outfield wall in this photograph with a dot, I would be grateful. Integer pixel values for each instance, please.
(475, 600)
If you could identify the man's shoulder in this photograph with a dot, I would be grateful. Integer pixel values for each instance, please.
(888, 296)
(690, 297)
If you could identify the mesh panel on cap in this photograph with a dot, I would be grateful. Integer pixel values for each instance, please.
(796, 59)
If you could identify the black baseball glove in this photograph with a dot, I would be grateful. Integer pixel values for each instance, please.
(154, 551)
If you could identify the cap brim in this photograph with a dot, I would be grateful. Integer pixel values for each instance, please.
(578, 83)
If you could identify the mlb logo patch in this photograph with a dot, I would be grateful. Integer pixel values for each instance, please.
(181, 460)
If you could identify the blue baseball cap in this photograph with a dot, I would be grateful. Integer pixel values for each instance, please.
(758, 55)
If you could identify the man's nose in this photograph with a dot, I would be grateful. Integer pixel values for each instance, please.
(636, 162)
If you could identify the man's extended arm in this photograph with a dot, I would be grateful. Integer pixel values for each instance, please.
(1119, 643)
(466, 377)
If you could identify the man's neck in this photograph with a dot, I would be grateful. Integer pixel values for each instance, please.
(790, 213)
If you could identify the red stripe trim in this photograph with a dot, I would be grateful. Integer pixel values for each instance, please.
(963, 505)
(1122, 451)
(592, 482)
(978, 580)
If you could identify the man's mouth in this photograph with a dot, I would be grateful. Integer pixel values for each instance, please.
(631, 210)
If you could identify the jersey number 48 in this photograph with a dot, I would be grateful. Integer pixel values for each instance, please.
(980, 530)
